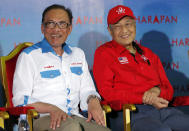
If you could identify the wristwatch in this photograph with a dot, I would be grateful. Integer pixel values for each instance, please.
(92, 96)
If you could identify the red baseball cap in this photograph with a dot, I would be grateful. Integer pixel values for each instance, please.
(118, 12)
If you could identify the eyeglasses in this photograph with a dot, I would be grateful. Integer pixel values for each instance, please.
(52, 24)
(127, 25)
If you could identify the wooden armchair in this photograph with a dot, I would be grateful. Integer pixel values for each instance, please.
(8, 64)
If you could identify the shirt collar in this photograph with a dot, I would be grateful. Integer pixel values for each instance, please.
(119, 48)
(46, 47)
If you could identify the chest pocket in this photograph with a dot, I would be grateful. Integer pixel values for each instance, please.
(50, 73)
(76, 70)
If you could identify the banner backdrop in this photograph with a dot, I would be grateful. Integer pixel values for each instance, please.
(162, 25)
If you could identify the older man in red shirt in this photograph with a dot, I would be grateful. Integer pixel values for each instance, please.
(126, 72)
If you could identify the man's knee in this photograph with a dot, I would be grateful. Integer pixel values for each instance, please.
(149, 124)
(163, 128)
(150, 128)
(104, 129)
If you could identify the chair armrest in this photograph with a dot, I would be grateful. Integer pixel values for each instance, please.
(18, 110)
(3, 115)
(131, 107)
(107, 108)
(33, 113)
(126, 115)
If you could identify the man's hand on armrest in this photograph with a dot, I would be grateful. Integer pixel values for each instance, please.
(95, 111)
(56, 114)
(150, 95)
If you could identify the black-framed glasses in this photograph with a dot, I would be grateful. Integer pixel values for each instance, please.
(52, 24)
(127, 25)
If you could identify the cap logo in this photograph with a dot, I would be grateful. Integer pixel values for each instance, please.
(120, 10)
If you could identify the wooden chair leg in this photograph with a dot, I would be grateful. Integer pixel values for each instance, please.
(106, 109)
(30, 115)
(127, 108)
(3, 116)
(127, 120)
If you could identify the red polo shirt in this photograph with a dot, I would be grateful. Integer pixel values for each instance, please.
(123, 78)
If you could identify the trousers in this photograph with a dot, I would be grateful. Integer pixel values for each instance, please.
(148, 118)
(74, 124)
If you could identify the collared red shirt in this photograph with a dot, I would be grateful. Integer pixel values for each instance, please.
(122, 78)
(43, 76)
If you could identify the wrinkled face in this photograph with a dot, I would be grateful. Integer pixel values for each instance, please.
(56, 27)
(124, 31)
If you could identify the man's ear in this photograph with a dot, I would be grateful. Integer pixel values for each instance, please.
(69, 29)
(109, 30)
